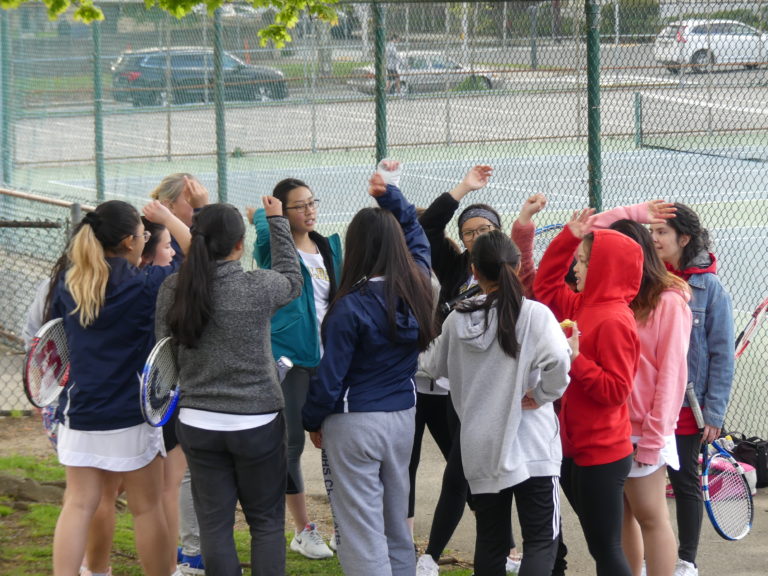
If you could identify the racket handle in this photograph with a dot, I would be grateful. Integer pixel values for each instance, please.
(284, 364)
(690, 394)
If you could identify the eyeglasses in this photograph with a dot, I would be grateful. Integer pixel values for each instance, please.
(470, 234)
(146, 235)
(308, 207)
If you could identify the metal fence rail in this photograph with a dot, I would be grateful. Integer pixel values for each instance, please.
(682, 115)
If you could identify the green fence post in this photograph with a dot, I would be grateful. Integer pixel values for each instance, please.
(534, 12)
(592, 10)
(5, 98)
(218, 104)
(638, 120)
(98, 112)
(381, 82)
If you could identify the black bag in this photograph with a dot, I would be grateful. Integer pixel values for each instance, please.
(753, 451)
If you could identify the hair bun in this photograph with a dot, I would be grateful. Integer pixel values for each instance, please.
(93, 220)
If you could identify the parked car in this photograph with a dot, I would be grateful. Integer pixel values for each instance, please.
(701, 44)
(141, 77)
(426, 72)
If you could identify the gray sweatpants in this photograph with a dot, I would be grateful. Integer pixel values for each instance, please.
(365, 464)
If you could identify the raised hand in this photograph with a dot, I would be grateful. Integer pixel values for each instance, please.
(579, 222)
(196, 193)
(477, 177)
(376, 185)
(573, 341)
(660, 211)
(249, 212)
(272, 206)
(157, 212)
(533, 205)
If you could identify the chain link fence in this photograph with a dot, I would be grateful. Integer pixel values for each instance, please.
(683, 87)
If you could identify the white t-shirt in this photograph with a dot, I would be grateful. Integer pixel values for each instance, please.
(321, 285)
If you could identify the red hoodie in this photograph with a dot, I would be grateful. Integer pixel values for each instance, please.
(594, 416)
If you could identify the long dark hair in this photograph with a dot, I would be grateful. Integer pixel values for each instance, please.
(215, 230)
(375, 246)
(655, 278)
(686, 222)
(497, 258)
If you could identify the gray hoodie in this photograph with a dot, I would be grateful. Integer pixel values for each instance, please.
(501, 444)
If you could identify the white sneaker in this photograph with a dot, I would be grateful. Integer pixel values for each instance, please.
(310, 544)
(332, 543)
(426, 566)
(513, 565)
(684, 568)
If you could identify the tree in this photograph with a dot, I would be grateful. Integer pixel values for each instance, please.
(286, 17)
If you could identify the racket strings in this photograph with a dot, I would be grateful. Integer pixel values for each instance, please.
(730, 502)
(47, 366)
(159, 383)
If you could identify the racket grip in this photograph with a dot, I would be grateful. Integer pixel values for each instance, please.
(284, 364)
(690, 394)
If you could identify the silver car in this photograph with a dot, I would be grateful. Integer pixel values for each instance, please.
(427, 72)
(701, 44)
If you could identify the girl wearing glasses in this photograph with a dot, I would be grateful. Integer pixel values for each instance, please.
(296, 334)
(108, 306)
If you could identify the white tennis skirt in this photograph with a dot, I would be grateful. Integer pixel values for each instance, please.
(667, 457)
(122, 450)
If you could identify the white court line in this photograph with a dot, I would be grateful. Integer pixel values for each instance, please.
(75, 186)
(707, 104)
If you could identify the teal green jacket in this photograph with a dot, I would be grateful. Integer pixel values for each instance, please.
(295, 333)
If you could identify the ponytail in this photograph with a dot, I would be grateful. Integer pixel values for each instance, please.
(496, 258)
(216, 229)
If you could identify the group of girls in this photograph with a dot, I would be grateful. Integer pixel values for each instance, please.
(355, 331)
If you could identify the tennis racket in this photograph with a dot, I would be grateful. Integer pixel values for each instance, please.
(544, 236)
(159, 390)
(745, 337)
(46, 365)
(724, 486)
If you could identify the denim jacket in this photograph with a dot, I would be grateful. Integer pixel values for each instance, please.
(711, 353)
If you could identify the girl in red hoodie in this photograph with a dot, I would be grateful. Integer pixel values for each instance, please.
(594, 417)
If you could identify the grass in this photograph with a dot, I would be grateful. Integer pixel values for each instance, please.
(26, 533)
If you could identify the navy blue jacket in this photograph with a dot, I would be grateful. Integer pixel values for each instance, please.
(107, 357)
(363, 369)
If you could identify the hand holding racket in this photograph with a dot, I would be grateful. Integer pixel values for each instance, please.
(724, 487)
(745, 337)
(46, 365)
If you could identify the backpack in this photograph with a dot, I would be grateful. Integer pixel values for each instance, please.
(753, 451)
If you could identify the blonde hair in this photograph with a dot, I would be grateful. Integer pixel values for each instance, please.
(86, 278)
(171, 187)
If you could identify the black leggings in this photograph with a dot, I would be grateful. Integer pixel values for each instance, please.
(688, 502)
(596, 493)
(454, 494)
(431, 412)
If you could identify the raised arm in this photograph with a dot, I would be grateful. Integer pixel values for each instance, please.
(653, 212)
(391, 198)
(549, 287)
(157, 212)
(285, 260)
(523, 232)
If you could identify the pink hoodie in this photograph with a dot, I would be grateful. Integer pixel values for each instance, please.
(659, 385)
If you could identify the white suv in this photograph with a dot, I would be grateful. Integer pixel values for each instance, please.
(701, 44)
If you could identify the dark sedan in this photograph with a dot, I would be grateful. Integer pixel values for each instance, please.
(155, 77)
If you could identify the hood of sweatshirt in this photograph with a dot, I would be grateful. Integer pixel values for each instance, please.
(615, 269)
(703, 263)
(406, 325)
(477, 329)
